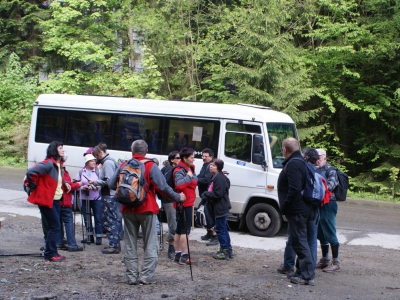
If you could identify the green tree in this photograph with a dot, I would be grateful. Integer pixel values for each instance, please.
(17, 94)
(354, 47)
(92, 40)
(20, 32)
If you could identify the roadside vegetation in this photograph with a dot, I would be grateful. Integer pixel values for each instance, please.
(332, 65)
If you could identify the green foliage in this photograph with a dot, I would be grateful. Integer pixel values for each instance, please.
(17, 91)
(332, 65)
(90, 38)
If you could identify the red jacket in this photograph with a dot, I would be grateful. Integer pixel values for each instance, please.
(66, 200)
(185, 184)
(42, 180)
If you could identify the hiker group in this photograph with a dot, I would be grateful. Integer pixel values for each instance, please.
(129, 191)
(311, 214)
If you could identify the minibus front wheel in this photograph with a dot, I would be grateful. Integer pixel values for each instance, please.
(263, 220)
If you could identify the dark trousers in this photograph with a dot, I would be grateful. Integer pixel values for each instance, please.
(299, 237)
(52, 218)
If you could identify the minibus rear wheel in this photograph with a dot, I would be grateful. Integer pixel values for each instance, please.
(263, 220)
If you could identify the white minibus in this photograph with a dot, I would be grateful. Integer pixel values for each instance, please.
(247, 138)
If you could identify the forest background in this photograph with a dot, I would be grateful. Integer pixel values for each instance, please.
(332, 65)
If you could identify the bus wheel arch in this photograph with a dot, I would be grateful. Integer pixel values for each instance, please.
(263, 219)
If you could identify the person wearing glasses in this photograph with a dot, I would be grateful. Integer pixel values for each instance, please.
(167, 204)
(204, 178)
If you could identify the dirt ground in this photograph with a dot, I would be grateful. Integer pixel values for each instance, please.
(367, 272)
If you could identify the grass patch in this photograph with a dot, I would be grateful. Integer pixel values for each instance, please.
(372, 196)
(13, 161)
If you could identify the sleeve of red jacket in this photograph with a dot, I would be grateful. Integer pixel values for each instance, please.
(33, 174)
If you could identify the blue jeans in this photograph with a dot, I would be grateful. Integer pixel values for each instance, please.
(221, 229)
(110, 220)
(97, 207)
(312, 230)
(327, 225)
(52, 218)
(120, 217)
(67, 219)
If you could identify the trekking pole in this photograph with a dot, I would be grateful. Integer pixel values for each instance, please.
(21, 254)
(88, 220)
(83, 222)
(74, 207)
(187, 240)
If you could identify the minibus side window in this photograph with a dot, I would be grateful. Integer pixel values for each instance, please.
(88, 129)
(238, 146)
(131, 127)
(50, 125)
(192, 133)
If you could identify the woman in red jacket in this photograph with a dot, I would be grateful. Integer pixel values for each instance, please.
(66, 211)
(45, 183)
(186, 182)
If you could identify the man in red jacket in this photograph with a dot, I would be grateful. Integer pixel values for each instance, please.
(145, 216)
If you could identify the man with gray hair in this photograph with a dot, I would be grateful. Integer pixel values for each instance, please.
(145, 216)
(291, 183)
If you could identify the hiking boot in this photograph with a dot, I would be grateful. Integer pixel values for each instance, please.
(284, 270)
(335, 266)
(56, 258)
(62, 247)
(98, 240)
(75, 248)
(171, 252)
(207, 236)
(230, 253)
(146, 282)
(323, 263)
(221, 254)
(184, 260)
(293, 274)
(177, 257)
(299, 280)
(213, 241)
(110, 250)
(88, 240)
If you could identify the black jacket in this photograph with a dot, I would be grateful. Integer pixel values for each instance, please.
(219, 197)
(291, 183)
(204, 178)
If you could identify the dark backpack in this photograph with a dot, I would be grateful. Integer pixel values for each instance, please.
(314, 188)
(340, 190)
(132, 186)
(169, 178)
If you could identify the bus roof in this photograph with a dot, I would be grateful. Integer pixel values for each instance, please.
(243, 112)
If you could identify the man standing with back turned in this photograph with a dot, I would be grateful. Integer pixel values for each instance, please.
(291, 183)
(144, 215)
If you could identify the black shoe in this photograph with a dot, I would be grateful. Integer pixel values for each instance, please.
(98, 240)
(88, 240)
(213, 241)
(111, 250)
(207, 236)
(62, 247)
(230, 253)
(299, 280)
(75, 248)
(171, 252)
(177, 257)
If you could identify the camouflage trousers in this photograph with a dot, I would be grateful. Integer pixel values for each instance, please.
(112, 220)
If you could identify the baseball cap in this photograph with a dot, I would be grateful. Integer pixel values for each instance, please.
(321, 152)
